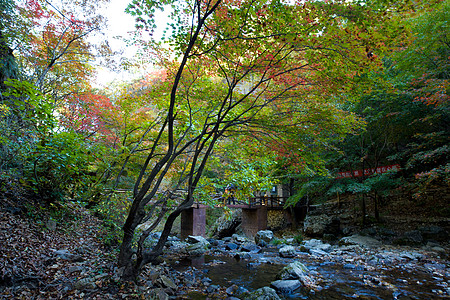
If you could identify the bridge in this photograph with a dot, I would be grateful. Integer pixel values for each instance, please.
(254, 215)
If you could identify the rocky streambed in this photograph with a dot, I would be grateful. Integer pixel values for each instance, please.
(354, 267)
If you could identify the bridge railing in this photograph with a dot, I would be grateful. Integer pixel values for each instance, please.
(269, 201)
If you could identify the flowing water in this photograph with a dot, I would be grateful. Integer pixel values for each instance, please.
(338, 282)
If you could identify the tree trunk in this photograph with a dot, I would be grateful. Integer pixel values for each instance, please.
(376, 202)
(363, 209)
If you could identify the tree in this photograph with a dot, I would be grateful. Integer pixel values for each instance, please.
(8, 65)
(237, 59)
(46, 50)
(406, 118)
(422, 73)
(54, 51)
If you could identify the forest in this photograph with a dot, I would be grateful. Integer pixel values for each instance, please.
(329, 98)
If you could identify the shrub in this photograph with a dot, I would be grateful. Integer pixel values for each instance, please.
(59, 167)
(298, 238)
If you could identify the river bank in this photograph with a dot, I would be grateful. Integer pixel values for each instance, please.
(355, 267)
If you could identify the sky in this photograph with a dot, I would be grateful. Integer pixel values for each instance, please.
(120, 23)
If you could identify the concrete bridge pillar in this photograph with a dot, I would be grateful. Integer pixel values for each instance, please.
(254, 220)
(193, 222)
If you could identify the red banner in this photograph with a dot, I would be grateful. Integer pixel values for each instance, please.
(368, 172)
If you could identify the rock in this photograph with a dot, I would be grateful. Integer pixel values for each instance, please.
(411, 255)
(286, 286)
(409, 238)
(318, 252)
(386, 232)
(176, 246)
(155, 235)
(73, 269)
(173, 238)
(432, 244)
(359, 240)
(159, 294)
(206, 281)
(231, 246)
(66, 255)
(241, 292)
(262, 244)
(225, 226)
(320, 224)
(369, 231)
(295, 270)
(349, 266)
(315, 244)
(118, 272)
(253, 265)
(250, 247)
(231, 290)
(312, 243)
(51, 224)
(215, 243)
(85, 284)
(347, 230)
(243, 255)
(13, 210)
(196, 249)
(291, 241)
(433, 233)
(83, 250)
(439, 250)
(265, 293)
(166, 282)
(188, 279)
(212, 288)
(287, 251)
(414, 236)
(194, 239)
(263, 237)
(240, 238)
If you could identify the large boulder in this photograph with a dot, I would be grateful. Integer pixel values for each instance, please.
(263, 237)
(359, 240)
(265, 293)
(226, 226)
(318, 225)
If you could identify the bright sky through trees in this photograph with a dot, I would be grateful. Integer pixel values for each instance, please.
(120, 27)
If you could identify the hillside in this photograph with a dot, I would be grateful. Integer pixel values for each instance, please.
(44, 259)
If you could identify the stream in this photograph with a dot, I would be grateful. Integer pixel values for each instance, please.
(386, 279)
